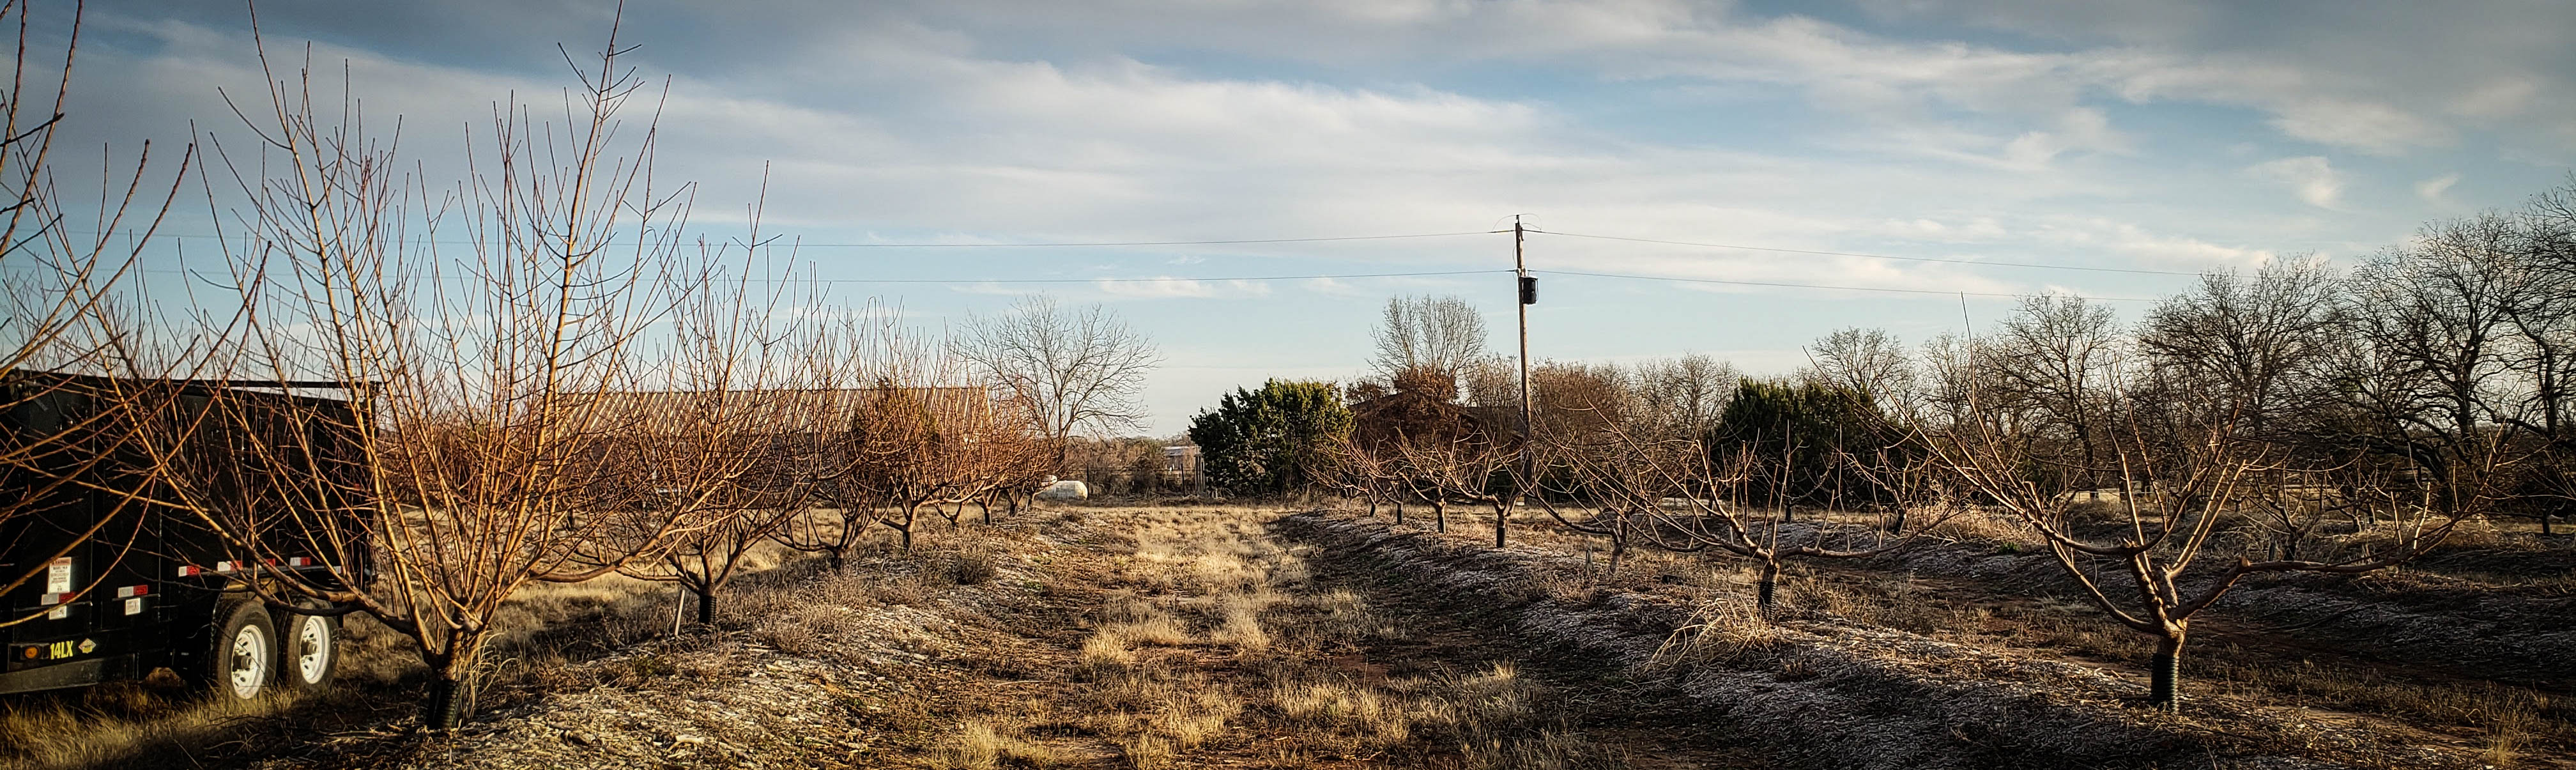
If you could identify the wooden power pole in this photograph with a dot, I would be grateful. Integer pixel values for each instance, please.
(1528, 290)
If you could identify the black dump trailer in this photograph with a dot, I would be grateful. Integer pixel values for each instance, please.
(118, 585)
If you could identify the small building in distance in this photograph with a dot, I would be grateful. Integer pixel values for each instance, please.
(1181, 464)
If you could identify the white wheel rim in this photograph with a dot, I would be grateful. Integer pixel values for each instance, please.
(249, 667)
(313, 637)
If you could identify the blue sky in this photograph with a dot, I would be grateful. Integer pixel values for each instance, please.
(2142, 135)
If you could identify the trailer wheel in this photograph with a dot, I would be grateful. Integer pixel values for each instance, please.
(312, 651)
(242, 660)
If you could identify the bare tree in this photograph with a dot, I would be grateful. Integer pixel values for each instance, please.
(2262, 344)
(721, 452)
(2433, 372)
(846, 355)
(1069, 370)
(916, 446)
(476, 412)
(1680, 494)
(1868, 361)
(1441, 335)
(2545, 322)
(1682, 397)
(2259, 342)
(1472, 467)
(2141, 572)
(2051, 359)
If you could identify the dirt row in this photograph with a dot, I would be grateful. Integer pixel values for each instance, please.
(1860, 695)
(2418, 617)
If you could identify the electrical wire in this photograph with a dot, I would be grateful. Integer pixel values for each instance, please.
(2032, 265)
(1238, 241)
(1079, 244)
(1489, 271)
(1158, 278)
(1102, 279)
(1631, 276)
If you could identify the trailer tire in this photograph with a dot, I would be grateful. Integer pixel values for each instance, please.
(241, 656)
(312, 645)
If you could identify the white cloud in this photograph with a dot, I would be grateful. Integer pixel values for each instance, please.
(2431, 190)
(2501, 98)
(2312, 178)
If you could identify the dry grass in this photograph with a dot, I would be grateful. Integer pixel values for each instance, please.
(981, 745)
(1375, 718)
(1242, 627)
(1245, 599)
(1996, 529)
(114, 723)
(1725, 631)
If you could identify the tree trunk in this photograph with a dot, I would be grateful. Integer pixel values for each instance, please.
(2164, 674)
(706, 605)
(1502, 516)
(1439, 516)
(1769, 585)
(451, 692)
(1399, 511)
(443, 707)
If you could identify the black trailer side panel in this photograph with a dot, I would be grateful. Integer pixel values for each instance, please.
(127, 586)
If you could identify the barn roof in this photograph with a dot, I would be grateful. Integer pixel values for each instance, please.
(810, 410)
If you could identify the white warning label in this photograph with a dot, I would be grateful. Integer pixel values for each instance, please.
(134, 606)
(58, 576)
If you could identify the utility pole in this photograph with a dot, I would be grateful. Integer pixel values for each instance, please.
(1528, 291)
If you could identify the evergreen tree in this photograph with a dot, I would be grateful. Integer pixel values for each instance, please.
(1272, 440)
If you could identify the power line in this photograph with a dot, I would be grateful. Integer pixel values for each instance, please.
(1006, 245)
(1870, 256)
(1245, 241)
(1816, 286)
(1221, 279)
(1101, 279)
(1153, 279)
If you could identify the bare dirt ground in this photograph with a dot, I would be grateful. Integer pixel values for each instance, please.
(2356, 672)
(1229, 636)
(1102, 637)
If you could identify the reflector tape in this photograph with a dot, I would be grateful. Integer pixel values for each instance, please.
(190, 570)
(55, 598)
(224, 566)
(129, 592)
(297, 561)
